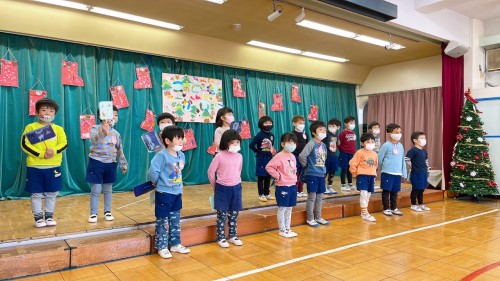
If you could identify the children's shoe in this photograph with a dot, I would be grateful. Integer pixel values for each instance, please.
(294, 234)
(50, 222)
(376, 187)
(286, 234)
(93, 218)
(179, 249)
(368, 217)
(262, 198)
(270, 197)
(313, 223)
(301, 194)
(387, 212)
(397, 212)
(223, 243)
(40, 223)
(236, 241)
(164, 253)
(108, 216)
(323, 221)
(351, 186)
(344, 187)
(424, 208)
(330, 190)
(416, 208)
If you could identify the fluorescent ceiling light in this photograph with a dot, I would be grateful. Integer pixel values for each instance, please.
(378, 42)
(274, 47)
(112, 13)
(217, 1)
(326, 28)
(324, 57)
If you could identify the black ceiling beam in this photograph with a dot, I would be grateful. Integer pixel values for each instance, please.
(375, 9)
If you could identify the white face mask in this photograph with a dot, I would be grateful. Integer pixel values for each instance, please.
(300, 127)
(370, 146)
(396, 137)
(321, 136)
(46, 118)
(376, 131)
(351, 127)
(111, 122)
(229, 119)
(234, 148)
(422, 142)
(290, 147)
(332, 130)
(164, 125)
(177, 148)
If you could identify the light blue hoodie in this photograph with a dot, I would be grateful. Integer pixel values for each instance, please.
(166, 172)
(391, 163)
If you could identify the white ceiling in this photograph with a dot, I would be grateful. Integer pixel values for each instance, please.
(484, 10)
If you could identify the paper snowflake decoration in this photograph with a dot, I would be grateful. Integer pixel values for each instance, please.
(462, 184)
(473, 173)
(480, 139)
(468, 118)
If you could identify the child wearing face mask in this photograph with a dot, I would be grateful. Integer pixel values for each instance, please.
(332, 160)
(392, 165)
(347, 148)
(283, 168)
(105, 146)
(363, 166)
(164, 120)
(312, 159)
(416, 157)
(299, 124)
(224, 174)
(43, 175)
(262, 146)
(223, 121)
(374, 128)
(166, 175)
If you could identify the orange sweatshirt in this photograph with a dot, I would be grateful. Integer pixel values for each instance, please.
(364, 162)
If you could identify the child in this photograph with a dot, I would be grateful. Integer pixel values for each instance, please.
(312, 159)
(419, 165)
(223, 120)
(392, 163)
(332, 160)
(283, 168)
(105, 145)
(224, 174)
(299, 123)
(347, 148)
(164, 120)
(43, 175)
(363, 166)
(374, 128)
(262, 145)
(166, 174)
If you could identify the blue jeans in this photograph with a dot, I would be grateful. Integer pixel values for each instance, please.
(168, 231)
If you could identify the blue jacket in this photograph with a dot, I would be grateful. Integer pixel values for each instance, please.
(391, 163)
(166, 172)
(313, 158)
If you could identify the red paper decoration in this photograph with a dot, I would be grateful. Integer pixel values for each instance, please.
(34, 96)
(237, 90)
(262, 109)
(211, 150)
(295, 93)
(148, 123)
(69, 74)
(460, 137)
(119, 97)
(86, 123)
(313, 113)
(245, 130)
(189, 140)
(278, 103)
(143, 78)
(9, 73)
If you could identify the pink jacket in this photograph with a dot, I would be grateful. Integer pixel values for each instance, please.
(283, 168)
(228, 166)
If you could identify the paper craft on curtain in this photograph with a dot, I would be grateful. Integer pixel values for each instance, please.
(191, 98)
(262, 109)
(212, 148)
(143, 78)
(148, 123)
(9, 73)
(34, 96)
(237, 90)
(190, 141)
(119, 97)
(295, 93)
(243, 128)
(278, 103)
(86, 123)
(69, 74)
(313, 113)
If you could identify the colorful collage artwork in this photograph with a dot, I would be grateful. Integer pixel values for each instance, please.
(191, 98)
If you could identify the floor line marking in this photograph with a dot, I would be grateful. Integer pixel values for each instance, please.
(480, 271)
(257, 270)
(132, 203)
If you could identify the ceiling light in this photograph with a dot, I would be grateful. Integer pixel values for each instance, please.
(274, 47)
(301, 16)
(326, 28)
(324, 57)
(277, 9)
(67, 4)
(378, 42)
(217, 1)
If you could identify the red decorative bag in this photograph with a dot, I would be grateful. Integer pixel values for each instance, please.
(35, 95)
(143, 78)
(278, 103)
(295, 93)
(119, 97)
(9, 73)
(189, 140)
(237, 90)
(313, 113)
(86, 123)
(148, 123)
(69, 74)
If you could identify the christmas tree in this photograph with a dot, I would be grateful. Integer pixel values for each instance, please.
(471, 171)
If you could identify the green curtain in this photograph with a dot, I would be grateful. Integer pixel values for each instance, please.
(100, 67)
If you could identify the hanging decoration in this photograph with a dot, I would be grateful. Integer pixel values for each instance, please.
(148, 123)
(35, 95)
(278, 103)
(143, 78)
(237, 90)
(87, 121)
(242, 127)
(262, 109)
(9, 71)
(151, 141)
(118, 95)
(313, 113)
(295, 93)
(189, 140)
(211, 149)
(69, 72)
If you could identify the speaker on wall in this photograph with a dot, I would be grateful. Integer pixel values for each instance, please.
(456, 49)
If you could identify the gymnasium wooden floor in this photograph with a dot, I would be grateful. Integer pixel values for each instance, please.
(454, 240)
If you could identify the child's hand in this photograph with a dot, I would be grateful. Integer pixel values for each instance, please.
(48, 153)
(124, 171)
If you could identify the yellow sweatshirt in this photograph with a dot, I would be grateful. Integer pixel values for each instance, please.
(364, 162)
(36, 151)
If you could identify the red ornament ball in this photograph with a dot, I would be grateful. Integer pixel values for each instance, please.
(485, 154)
(476, 157)
(460, 137)
(466, 129)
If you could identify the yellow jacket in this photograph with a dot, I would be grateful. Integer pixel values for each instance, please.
(36, 151)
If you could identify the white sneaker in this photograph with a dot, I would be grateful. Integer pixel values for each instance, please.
(302, 194)
(323, 221)
(50, 222)
(330, 190)
(93, 218)
(236, 241)
(40, 223)
(424, 208)
(164, 253)
(270, 197)
(344, 187)
(397, 212)
(376, 187)
(415, 208)
(294, 234)
(262, 198)
(352, 187)
(387, 212)
(368, 217)
(313, 223)
(108, 217)
(286, 234)
(223, 243)
(179, 249)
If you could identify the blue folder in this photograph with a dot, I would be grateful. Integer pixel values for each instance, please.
(41, 134)
(143, 188)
